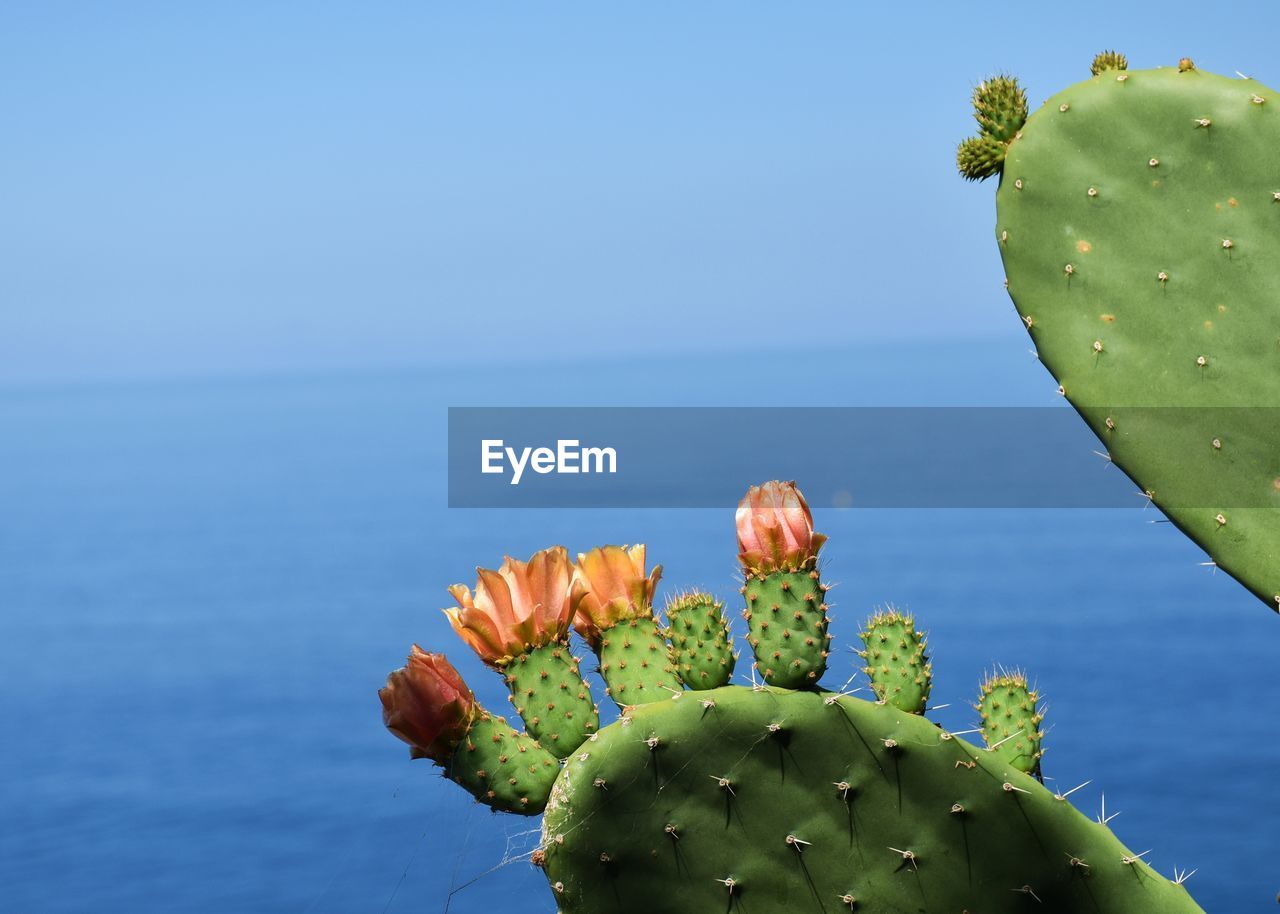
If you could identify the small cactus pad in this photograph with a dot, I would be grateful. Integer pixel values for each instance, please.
(896, 662)
(980, 157)
(770, 801)
(787, 624)
(552, 698)
(1138, 217)
(1011, 720)
(1000, 108)
(502, 768)
(1108, 60)
(636, 662)
(700, 640)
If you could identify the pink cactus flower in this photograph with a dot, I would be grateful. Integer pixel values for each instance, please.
(426, 704)
(775, 530)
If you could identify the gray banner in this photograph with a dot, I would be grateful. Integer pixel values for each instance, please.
(873, 457)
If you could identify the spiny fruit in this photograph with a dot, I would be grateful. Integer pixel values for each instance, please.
(1138, 217)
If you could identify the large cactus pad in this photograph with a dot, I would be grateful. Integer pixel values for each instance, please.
(1138, 216)
(766, 800)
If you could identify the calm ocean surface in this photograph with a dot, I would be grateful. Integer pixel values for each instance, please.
(203, 583)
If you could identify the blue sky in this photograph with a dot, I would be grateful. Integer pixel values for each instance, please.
(277, 187)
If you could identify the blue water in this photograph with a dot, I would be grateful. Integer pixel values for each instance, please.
(202, 584)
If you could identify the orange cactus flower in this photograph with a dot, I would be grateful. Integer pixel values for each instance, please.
(610, 585)
(426, 704)
(775, 529)
(520, 606)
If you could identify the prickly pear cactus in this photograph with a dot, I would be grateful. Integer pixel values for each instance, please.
(768, 800)
(1138, 216)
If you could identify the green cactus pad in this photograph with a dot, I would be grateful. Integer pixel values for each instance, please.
(552, 698)
(502, 768)
(980, 157)
(1011, 720)
(896, 661)
(1000, 107)
(700, 640)
(770, 801)
(787, 623)
(1138, 216)
(636, 663)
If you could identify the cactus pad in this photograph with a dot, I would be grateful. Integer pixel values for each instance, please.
(769, 801)
(1000, 107)
(1011, 720)
(896, 662)
(787, 619)
(552, 698)
(980, 157)
(1108, 60)
(1138, 217)
(700, 641)
(502, 768)
(635, 662)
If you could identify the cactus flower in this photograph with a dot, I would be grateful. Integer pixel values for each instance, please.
(775, 529)
(426, 704)
(520, 606)
(609, 585)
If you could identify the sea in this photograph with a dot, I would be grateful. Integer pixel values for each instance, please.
(204, 581)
